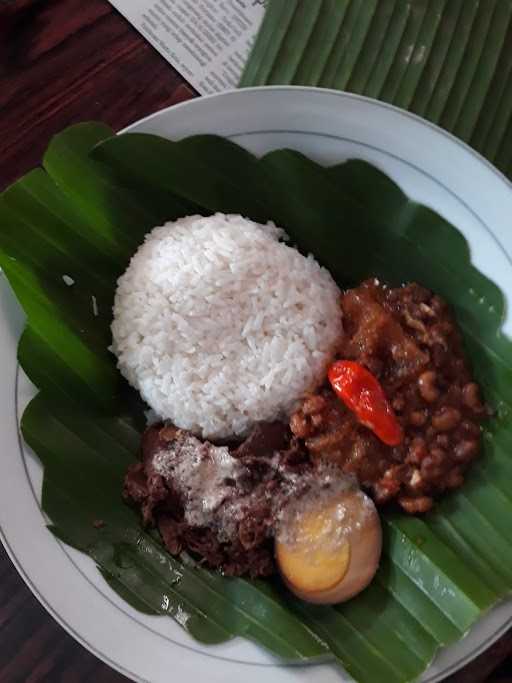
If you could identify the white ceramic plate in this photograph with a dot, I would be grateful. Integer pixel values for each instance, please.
(433, 168)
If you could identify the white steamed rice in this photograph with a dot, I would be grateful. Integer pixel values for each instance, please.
(219, 324)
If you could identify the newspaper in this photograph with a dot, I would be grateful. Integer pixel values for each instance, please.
(207, 41)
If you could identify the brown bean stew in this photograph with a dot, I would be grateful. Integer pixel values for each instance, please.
(408, 339)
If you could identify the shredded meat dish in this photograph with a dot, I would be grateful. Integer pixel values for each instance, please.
(409, 340)
(230, 525)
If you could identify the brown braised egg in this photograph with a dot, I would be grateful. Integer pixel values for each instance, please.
(328, 547)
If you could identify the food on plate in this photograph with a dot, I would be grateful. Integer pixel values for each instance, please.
(328, 545)
(408, 340)
(226, 504)
(278, 397)
(213, 500)
(220, 325)
(87, 420)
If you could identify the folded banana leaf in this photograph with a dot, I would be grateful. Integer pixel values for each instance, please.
(67, 231)
(449, 61)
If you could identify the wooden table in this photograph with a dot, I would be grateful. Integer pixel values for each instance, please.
(63, 61)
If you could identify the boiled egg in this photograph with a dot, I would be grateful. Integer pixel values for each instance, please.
(328, 548)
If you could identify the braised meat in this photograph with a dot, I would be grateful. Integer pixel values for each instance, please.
(220, 504)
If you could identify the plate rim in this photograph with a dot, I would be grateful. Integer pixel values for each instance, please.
(332, 91)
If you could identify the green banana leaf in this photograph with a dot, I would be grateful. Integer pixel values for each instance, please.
(67, 231)
(449, 61)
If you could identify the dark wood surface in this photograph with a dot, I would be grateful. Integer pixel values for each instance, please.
(64, 61)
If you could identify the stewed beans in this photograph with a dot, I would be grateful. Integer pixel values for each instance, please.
(409, 340)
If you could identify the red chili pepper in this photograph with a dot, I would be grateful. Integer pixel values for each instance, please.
(361, 392)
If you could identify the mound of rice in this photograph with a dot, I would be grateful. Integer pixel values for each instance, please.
(219, 324)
